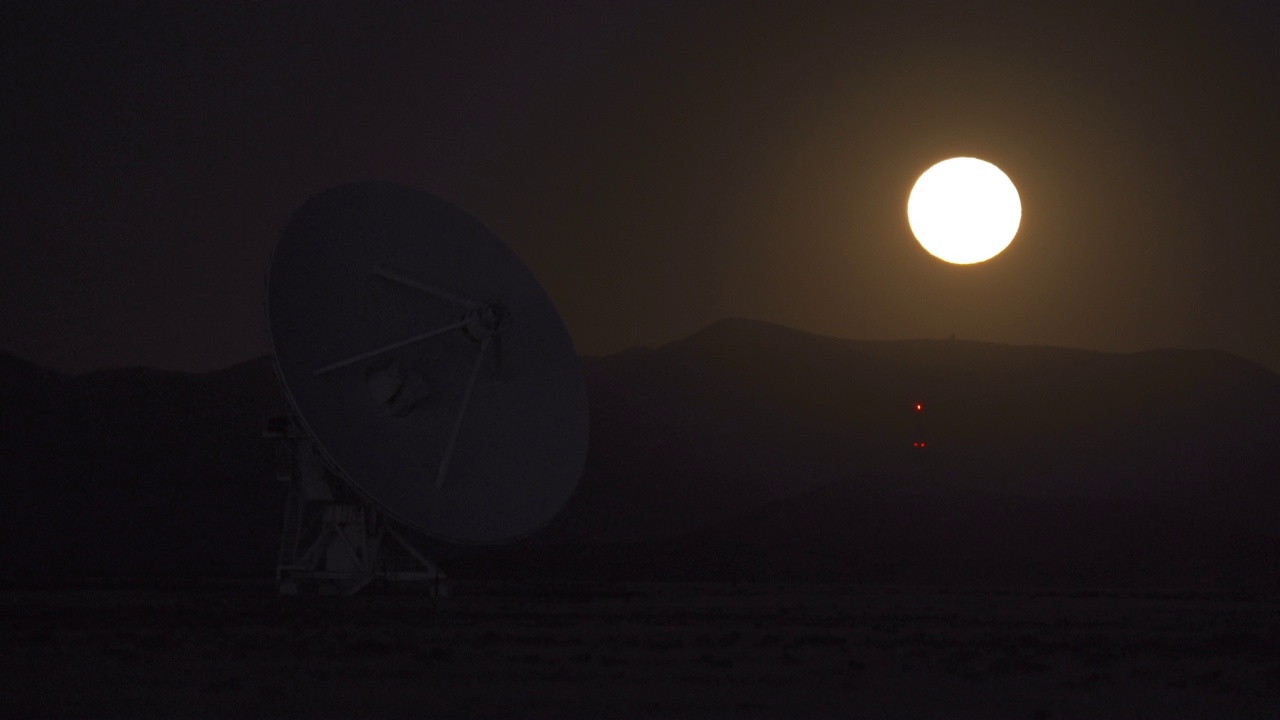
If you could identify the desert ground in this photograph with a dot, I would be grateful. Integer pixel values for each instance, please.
(704, 651)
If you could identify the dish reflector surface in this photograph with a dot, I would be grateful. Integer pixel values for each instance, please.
(427, 363)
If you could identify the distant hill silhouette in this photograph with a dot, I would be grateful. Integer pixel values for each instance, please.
(745, 451)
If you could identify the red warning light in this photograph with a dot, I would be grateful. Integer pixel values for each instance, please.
(919, 407)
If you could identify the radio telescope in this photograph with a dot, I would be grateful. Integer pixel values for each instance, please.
(431, 381)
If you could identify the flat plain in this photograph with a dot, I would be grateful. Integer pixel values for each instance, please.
(705, 651)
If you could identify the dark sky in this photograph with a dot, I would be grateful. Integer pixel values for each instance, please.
(658, 165)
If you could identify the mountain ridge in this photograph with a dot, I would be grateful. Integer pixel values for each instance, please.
(692, 443)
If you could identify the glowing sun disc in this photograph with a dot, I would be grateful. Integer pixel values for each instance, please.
(964, 210)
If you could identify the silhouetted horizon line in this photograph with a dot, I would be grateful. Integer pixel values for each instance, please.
(8, 356)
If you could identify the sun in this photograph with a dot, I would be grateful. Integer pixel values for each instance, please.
(964, 210)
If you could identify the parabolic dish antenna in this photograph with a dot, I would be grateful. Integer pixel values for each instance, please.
(426, 363)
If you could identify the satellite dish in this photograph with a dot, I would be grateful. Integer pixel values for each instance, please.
(426, 363)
